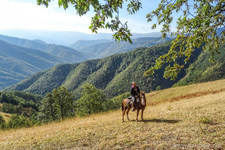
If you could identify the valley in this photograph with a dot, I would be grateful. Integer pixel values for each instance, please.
(15, 68)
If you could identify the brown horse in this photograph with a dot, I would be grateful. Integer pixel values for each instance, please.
(126, 106)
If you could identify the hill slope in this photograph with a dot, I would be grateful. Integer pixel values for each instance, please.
(194, 121)
(113, 74)
(17, 63)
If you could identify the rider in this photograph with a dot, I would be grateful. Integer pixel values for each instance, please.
(135, 93)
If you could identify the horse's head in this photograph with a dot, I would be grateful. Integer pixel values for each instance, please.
(143, 99)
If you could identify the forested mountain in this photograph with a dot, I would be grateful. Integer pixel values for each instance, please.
(17, 63)
(104, 48)
(67, 54)
(202, 70)
(113, 74)
(15, 68)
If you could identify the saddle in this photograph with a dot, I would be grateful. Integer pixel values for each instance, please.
(130, 97)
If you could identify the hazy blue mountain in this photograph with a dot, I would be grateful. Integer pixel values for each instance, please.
(66, 38)
(17, 63)
(67, 54)
(81, 44)
(104, 49)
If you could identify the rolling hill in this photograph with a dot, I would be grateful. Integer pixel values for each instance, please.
(17, 63)
(187, 117)
(113, 74)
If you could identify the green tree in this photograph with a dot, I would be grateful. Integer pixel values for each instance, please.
(57, 105)
(48, 109)
(198, 25)
(91, 101)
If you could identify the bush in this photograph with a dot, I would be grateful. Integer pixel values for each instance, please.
(1, 119)
(2, 123)
(158, 88)
(18, 121)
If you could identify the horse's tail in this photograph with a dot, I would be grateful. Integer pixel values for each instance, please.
(122, 106)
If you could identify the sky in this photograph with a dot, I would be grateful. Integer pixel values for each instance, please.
(26, 14)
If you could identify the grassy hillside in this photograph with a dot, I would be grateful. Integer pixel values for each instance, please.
(188, 117)
(113, 74)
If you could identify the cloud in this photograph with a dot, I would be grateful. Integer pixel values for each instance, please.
(24, 15)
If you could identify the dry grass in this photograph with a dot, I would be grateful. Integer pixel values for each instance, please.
(168, 125)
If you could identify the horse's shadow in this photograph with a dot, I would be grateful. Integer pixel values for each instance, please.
(159, 121)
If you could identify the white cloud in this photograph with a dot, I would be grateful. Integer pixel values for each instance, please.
(30, 16)
(24, 14)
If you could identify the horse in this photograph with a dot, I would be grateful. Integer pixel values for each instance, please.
(126, 106)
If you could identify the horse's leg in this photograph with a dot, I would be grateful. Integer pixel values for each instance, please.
(137, 114)
(128, 113)
(142, 111)
(123, 111)
(123, 114)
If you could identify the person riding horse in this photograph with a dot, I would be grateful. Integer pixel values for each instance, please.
(135, 94)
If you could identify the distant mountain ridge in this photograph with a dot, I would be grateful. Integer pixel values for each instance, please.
(67, 54)
(104, 48)
(66, 38)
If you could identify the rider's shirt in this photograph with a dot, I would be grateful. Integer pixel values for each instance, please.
(134, 90)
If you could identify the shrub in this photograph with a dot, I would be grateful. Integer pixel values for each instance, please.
(2, 120)
(158, 88)
(18, 121)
